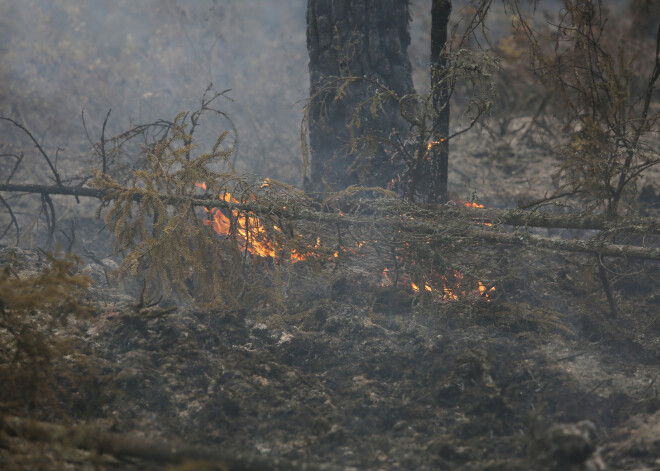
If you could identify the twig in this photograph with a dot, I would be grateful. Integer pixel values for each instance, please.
(50, 217)
(607, 287)
(571, 357)
(102, 146)
(18, 158)
(37, 145)
(71, 239)
(590, 392)
(13, 221)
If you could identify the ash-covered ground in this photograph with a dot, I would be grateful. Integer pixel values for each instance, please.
(356, 376)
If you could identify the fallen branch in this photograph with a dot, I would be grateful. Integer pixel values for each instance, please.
(426, 223)
(512, 217)
(53, 190)
(524, 218)
(130, 445)
(585, 246)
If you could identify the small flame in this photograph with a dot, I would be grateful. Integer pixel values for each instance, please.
(473, 205)
(252, 236)
(484, 290)
(433, 143)
(454, 294)
(427, 287)
(250, 232)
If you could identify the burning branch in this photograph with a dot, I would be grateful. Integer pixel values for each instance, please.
(507, 217)
(421, 225)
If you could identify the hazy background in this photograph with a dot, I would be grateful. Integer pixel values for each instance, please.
(151, 59)
(154, 58)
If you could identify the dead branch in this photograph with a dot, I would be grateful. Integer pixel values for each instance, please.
(587, 221)
(427, 223)
(131, 445)
(510, 217)
(13, 220)
(53, 190)
(37, 145)
(561, 245)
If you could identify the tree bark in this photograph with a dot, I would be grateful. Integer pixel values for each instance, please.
(436, 175)
(359, 38)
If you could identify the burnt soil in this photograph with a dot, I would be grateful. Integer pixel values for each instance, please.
(361, 377)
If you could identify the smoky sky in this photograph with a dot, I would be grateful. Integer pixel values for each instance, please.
(151, 59)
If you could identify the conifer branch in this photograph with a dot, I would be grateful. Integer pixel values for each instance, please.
(425, 223)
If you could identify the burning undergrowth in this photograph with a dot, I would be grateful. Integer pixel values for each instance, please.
(359, 330)
(192, 232)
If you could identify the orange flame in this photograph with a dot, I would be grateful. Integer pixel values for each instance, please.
(251, 235)
(427, 287)
(433, 143)
(484, 290)
(446, 293)
(473, 205)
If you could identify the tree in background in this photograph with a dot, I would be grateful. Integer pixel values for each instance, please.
(437, 166)
(356, 38)
(366, 124)
(604, 81)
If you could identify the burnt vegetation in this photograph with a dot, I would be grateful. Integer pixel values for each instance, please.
(369, 282)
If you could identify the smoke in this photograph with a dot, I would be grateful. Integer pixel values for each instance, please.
(150, 60)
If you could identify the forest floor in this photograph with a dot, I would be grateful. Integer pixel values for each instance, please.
(353, 375)
(361, 378)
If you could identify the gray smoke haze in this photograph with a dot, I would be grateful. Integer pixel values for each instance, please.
(151, 59)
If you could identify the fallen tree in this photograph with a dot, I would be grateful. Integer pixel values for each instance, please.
(411, 218)
(156, 218)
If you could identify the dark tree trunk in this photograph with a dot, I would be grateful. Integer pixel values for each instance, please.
(436, 185)
(645, 14)
(361, 38)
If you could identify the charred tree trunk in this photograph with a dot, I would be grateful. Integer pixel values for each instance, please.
(358, 38)
(436, 175)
